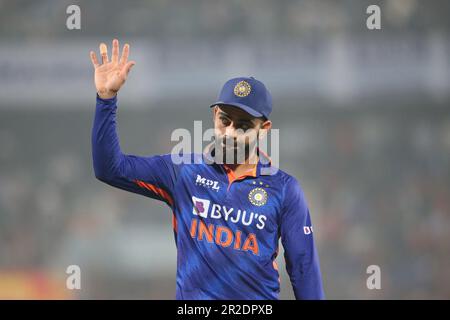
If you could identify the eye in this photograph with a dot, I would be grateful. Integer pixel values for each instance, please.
(225, 121)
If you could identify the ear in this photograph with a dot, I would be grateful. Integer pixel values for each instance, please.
(265, 128)
(214, 113)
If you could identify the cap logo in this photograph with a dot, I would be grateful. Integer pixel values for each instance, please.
(242, 89)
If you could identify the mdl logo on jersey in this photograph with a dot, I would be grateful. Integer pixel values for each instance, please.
(207, 183)
(222, 235)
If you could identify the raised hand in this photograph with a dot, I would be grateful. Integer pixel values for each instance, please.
(111, 75)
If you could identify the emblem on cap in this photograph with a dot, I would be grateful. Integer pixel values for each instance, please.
(258, 197)
(242, 89)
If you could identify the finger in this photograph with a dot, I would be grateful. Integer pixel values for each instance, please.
(115, 51)
(94, 59)
(104, 52)
(128, 67)
(125, 53)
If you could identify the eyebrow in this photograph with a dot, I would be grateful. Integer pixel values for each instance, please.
(250, 121)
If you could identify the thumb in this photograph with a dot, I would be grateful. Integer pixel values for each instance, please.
(128, 67)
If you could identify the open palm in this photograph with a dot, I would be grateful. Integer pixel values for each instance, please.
(111, 75)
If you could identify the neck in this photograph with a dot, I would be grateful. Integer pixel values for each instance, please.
(248, 165)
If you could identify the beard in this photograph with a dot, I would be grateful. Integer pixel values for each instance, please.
(231, 151)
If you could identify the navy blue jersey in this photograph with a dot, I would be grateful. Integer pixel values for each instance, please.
(226, 228)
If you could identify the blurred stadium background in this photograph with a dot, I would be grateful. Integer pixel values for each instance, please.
(364, 123)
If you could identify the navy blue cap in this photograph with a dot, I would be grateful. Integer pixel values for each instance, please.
(248, 94)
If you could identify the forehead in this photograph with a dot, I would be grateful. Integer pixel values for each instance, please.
(235, 113)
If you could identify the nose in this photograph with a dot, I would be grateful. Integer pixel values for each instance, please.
(230, 132)
(230, 137)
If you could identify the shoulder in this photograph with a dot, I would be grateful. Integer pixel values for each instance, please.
(289, 186)
(292, 189)
(287, 180)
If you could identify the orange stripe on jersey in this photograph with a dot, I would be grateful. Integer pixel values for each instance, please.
(174, 222)
(275, 265)
(158, 191)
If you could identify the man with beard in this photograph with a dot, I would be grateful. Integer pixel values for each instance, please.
(230, 205)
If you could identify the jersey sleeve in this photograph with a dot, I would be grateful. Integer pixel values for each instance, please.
(302, 261)
(152, 176)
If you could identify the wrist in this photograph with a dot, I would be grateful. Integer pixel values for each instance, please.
(106, 101)
(105, 94)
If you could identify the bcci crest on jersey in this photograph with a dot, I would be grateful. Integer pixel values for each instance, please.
(258, 197)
